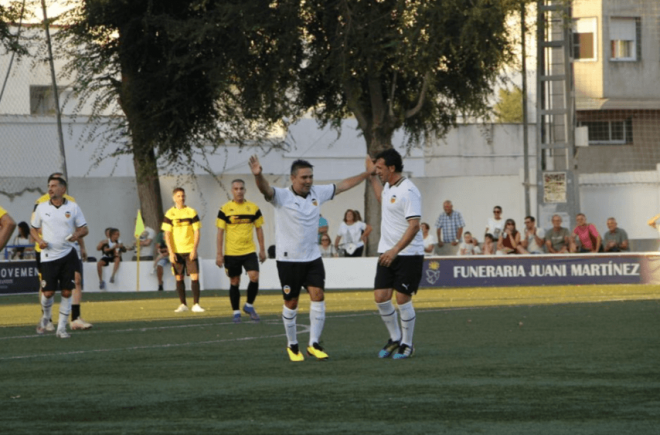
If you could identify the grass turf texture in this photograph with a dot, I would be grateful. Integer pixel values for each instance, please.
(544, 368)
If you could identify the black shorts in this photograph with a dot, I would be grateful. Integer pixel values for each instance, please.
(235, 263)
(60, 274)
(185, 264)
(294, 275)
(37, 257)
(404, 275)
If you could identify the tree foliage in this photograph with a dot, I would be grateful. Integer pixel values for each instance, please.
(11, 12)
(509, 106)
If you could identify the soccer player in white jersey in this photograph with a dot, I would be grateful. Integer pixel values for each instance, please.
(298, 256)
(401, 250)
(62, 224)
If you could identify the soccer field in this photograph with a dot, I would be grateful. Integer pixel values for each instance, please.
(497, 361)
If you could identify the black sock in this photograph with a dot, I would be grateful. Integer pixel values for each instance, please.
(234, 297)
(253, 289)
(75, 311)
(181, 290)
(194, 285)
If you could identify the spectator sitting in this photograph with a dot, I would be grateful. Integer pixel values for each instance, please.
(449, 229)
(490, 246)
(146, 240)
(614, 240)
(588, 236)
(509, 243)
(23, 238)
(354, 233)
(429, 239)
(105, 241)
(495, 224)
(111, 254)
(162, 260)
(326, 248)
(470, 246)
(532, 242)
(557, 238)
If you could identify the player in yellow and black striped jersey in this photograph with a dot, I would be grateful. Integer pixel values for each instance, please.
(182, 230)
(7, 226)
(77, 322)
(236, 221)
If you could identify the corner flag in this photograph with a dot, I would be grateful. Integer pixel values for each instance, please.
(139, 225)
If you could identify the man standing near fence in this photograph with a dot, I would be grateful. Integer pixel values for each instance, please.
(7, 226)
(237, 219)
(401, 250)
(449, 226)
(56, 226)
(299, 262)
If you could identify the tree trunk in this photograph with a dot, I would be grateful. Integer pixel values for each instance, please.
(148, 186)
(379, 142)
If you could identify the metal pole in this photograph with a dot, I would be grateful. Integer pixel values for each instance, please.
(524, 108)
(56, 95)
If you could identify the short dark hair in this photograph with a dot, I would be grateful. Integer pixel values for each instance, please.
(60, 180)
(178, 189)
(489, 236)
(391, 157)
(531, 218)
(300, 164)
(238, 180)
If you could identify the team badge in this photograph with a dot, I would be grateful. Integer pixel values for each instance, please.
(433, 272)
(67, 214)
(393, 199)
(286, 289)
(43, 283)
(315, 202)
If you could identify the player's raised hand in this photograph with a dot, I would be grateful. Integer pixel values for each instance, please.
(370, 165)
(255, 166)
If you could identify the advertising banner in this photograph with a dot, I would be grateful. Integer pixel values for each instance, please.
(541, 270)
(19, 277)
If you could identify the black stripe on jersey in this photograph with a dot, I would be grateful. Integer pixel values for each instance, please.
(334, 190)
(222, 216)
(257, 215)
(167, 220)
(413, 217)
(243, 218)
(189, 221)
(195, 219)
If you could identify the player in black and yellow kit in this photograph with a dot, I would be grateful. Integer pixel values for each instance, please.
(7, 226)
(236, 249)
(181, 226)
(77, 322)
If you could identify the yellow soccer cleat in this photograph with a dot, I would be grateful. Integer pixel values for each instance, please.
(317, 351)
(295, 354)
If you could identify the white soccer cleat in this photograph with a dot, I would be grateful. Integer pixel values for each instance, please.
(197, 309)
(80, 324)
(50, 327)
(41, 326)
(182, 309)
(62, 334)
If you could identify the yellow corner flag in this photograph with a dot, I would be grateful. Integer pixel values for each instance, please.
(139, 225)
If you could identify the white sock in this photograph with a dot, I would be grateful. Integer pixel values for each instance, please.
(65, 309)
(248, 305)
(390, 318)
(407, 322)
(237, 312)
(316, 321)
(47, 306)
(289, 319)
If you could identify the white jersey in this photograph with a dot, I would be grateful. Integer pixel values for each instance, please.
(56, 223)
(400, 203)
(297, 222)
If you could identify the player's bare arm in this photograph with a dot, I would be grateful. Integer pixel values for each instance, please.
(349, 183)
(262, 184)
(388, 257)
(220, 258)
(79, 234)
(193, 253)
(262, 245)
(7, 226)
(170, 247)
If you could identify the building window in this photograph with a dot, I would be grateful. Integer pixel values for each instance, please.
(609, 132)
(625, 44)
(584, 39)
(42, 100)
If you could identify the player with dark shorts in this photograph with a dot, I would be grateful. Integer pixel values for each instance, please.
(181, 226)
(56, 226)
(401, 250)
(236, 249)
(299, 263)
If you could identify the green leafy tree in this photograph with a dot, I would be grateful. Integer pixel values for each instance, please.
(185, 74)
(402, 64)
(11, 12)
(509, 106)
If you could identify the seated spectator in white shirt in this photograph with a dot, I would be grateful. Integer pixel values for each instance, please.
(470, 246)
(531, 241)
(429, 240)
(495, 225)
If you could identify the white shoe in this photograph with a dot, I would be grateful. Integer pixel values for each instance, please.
(182, 309)
(79, 323)
(50, 327)
(62, 334)
(41, 326)
(197, 309)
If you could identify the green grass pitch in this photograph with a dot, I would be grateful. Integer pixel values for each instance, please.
(528, 364)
